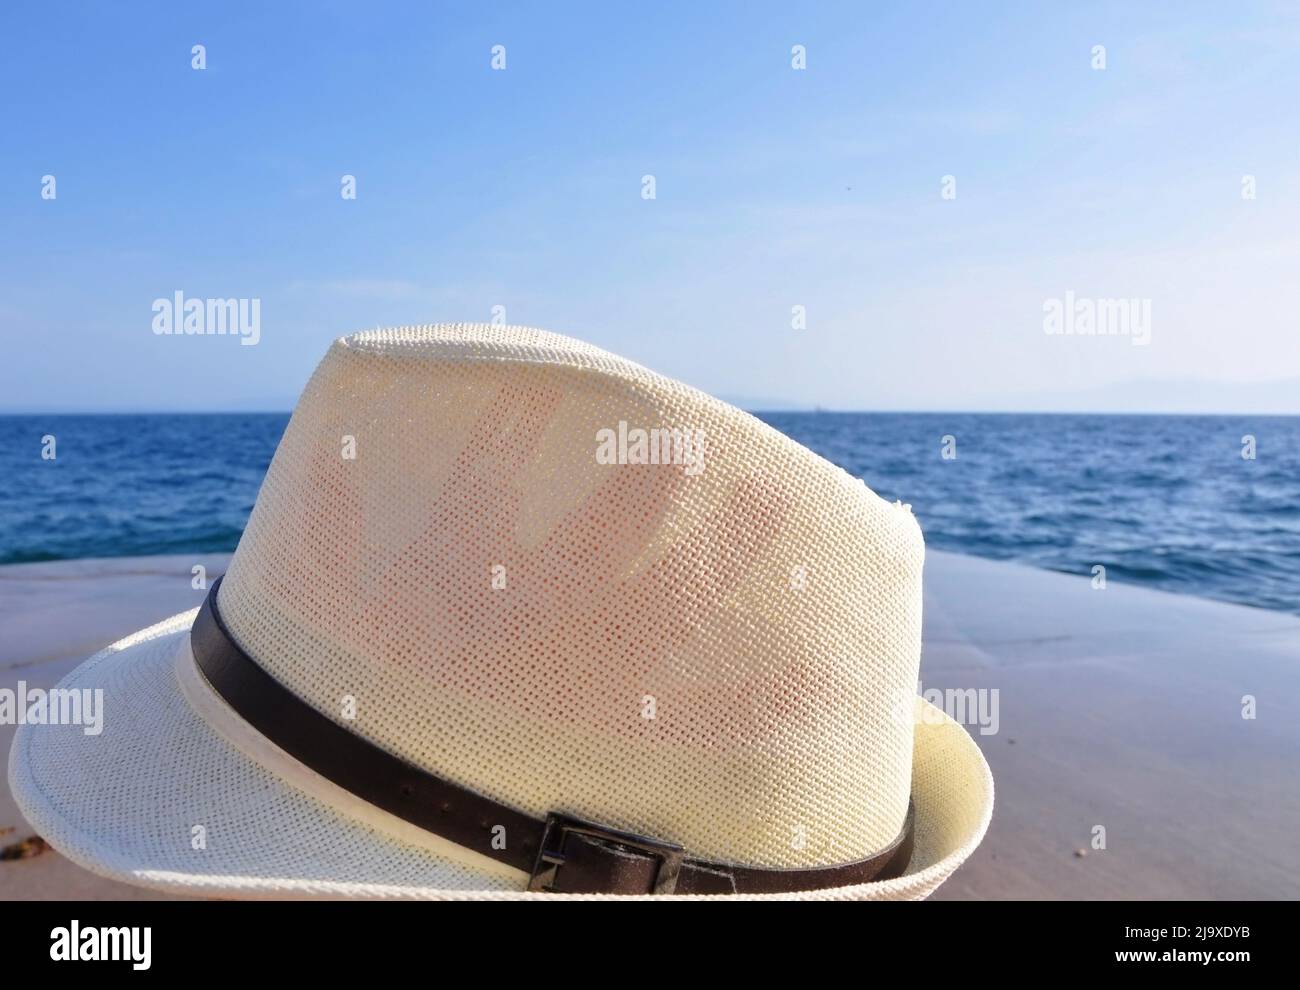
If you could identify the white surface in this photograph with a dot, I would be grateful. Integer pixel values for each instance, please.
(1119, 708)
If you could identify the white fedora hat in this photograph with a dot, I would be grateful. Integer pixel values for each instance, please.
(514, 617)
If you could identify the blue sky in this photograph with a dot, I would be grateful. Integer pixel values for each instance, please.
(774, 188)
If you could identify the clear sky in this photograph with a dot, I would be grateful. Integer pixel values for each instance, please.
(774, 188)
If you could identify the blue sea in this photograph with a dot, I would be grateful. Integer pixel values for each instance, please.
(1163, 501)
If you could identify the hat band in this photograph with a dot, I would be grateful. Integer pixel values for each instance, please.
(561, 853)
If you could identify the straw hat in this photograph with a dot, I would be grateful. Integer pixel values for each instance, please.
(514, 617)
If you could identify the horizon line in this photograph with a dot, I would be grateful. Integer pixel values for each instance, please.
(753, 411)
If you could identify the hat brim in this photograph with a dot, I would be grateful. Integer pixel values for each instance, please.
(163, 799)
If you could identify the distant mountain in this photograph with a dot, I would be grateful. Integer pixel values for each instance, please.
(1184, 396)
(1176, 396)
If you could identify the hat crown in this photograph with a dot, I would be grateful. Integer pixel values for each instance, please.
(554, 577)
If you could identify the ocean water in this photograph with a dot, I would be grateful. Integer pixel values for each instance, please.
(1163, 501)
(122, 486)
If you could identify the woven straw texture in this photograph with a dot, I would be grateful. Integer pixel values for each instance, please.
(124, 804)
(711, 649)
(371, 578)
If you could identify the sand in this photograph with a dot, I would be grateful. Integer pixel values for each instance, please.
(1119, 708)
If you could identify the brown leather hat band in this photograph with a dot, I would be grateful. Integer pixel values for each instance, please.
(560, 853)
